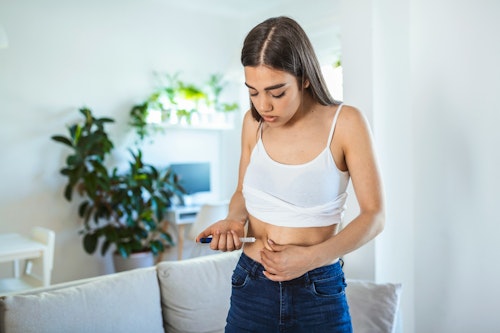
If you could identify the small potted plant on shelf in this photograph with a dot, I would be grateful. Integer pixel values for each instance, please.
(216, 85)
(123, 209)
(178, 103)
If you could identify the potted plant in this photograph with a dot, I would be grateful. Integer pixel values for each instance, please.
(177, 103)
(215, 86)
(123, 209)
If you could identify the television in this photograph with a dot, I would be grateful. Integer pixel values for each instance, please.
(193, 177)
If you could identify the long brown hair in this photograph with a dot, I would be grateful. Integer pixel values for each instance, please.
(282, 44)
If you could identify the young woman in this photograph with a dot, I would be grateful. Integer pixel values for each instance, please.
(299, 150)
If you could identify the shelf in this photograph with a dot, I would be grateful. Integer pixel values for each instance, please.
(205, 122)
(197, 127)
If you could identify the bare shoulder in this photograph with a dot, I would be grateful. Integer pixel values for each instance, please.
(247, 118)
(352, 122)
(352, 116)
(250, 129)
(353, 130)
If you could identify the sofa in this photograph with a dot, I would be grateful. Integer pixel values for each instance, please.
(173, 296)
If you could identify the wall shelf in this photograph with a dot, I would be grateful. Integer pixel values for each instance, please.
(220, 121)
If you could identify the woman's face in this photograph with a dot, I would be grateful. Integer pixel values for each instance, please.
(274, 93)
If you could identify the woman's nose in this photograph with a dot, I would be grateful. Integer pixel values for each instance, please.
(265, 105)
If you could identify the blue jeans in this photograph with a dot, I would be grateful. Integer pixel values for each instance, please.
(314, 302)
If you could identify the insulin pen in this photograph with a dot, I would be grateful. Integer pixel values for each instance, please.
(206, 240)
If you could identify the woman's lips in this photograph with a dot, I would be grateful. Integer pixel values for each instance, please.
(269, 119)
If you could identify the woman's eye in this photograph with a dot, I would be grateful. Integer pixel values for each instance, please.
(274, 96)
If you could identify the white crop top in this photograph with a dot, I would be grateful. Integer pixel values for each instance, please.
(312, 194)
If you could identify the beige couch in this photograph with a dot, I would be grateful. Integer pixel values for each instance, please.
(175, 296)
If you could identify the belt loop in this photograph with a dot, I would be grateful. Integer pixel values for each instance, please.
(254, 267)
(307, 279)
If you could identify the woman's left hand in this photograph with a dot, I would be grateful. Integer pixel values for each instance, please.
(285, 262)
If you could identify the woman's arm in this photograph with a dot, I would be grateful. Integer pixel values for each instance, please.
(225, 233)
(361, 162)
(353, 133)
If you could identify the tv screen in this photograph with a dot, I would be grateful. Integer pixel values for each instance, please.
(193, 177)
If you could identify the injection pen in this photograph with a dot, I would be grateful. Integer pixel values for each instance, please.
(206, 240)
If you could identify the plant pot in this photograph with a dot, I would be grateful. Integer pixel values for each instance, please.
(135, 260)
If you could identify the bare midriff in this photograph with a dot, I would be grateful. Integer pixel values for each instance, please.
(283, 236)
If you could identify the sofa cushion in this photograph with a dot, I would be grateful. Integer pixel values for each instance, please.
(123, 302)
(373, 306)
(195, 292)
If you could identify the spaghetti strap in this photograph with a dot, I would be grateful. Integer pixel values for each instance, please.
(332, 130)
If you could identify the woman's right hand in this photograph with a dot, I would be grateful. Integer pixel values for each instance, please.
(225, 235)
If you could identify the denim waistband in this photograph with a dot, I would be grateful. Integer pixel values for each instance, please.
(255, 269)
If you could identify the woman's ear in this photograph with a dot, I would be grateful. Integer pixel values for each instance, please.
(306, 84)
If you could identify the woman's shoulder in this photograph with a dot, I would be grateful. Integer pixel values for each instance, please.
(351, 125)
(349, 110)
(353, 129)
(350, 116)
(249, 122)
(250, 128)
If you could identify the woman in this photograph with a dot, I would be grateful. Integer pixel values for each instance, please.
(299, 150)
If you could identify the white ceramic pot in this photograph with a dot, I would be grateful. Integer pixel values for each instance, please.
(135, 260)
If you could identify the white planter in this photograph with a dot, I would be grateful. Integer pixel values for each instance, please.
(135, 260)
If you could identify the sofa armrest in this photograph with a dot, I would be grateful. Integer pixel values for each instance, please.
(124, 302)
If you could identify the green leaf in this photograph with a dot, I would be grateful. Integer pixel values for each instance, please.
(62, 139)
(122, 250)
(136, 246)
(105, 247)
(68, 191)
(166, 236)
(83, 208)
(88, 214)
(73, 160)
(156, 247)
(77, 134)
(90, 242)
(105, 120)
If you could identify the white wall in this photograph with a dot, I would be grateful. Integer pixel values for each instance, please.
(357, 63)
(376, 65)
(66, 54)
(456, 79)
(393, 130)
(433, 78)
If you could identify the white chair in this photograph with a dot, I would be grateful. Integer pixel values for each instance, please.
(37, 271)
(209, 213)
